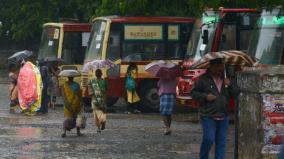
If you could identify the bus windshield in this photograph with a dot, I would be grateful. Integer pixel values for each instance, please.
(196, 45)
(49, 42)
(94, 50)
(267, 42)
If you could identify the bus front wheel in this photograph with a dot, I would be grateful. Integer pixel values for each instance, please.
(149, 97)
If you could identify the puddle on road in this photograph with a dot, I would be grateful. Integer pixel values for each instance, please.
(21, 134)
(32, 147)
(28, 133)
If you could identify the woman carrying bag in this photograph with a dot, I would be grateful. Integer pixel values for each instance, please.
(130, 85)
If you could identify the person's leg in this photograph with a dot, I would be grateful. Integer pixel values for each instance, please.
(44, 101)
(79, 132)
(281, 154)
(64, 128)
(166, 123)
(136, 107)
(221, 137)
(169, 118)
(103, 123)
(130, 108)
(64, 133)
(209, 130)
(98, 122)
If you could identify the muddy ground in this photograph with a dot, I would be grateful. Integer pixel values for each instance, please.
(126, 136)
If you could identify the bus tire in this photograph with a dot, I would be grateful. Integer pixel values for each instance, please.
(111, 101)
(149, 97)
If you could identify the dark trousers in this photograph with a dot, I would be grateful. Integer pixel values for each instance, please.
(44, 101)
(133, 106)
(214, 131)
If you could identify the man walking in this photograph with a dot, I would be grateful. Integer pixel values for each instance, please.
(213, 91)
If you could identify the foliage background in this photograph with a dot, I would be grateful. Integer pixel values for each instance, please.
(22, 19)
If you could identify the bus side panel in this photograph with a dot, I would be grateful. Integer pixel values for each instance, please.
(116, 87)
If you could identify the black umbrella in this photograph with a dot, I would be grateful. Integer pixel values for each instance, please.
(20, 56)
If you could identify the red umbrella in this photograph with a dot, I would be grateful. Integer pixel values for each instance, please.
(163, 69)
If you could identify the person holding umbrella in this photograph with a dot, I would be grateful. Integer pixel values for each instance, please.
(213, 90)
(72, 101)
(167, 72)
(130, 86)
(98, 92)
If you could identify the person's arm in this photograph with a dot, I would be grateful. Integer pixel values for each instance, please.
(197, 92)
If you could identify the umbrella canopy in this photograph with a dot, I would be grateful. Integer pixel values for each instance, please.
(231, 57)
(163, 69)
(19, 56)
(69, 73)
(53, 59)
(97, 64)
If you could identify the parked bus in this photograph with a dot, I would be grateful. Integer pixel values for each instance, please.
(66, 41)
(224, 29)
(267, 41)
(139, 40)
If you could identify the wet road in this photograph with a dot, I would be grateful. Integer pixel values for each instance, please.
(126, 136)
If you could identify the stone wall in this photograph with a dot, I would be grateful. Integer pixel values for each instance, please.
(261, 113)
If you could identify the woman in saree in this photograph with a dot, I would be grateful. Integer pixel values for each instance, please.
(132, 96)
(13, 89)
(98, 93)
(72, 105)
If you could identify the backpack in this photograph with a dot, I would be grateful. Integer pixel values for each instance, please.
(130, 83)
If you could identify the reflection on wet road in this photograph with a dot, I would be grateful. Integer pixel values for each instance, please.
(126, 136)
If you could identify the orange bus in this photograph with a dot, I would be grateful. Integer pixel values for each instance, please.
(141, 40)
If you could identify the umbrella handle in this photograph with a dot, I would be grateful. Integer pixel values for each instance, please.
(225, 76)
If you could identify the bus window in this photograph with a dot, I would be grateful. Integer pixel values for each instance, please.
(113, 47)
(175, 51)
(142, 51)
(94, 50)
(49, 42)
(228, 37)
(73, 51)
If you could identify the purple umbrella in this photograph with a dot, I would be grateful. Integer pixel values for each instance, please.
(97, 64)
(163, 69)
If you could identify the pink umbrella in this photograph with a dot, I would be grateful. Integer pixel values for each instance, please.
(97, 64)
(163, 69)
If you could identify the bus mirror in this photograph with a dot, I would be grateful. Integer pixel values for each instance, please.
(205, 34)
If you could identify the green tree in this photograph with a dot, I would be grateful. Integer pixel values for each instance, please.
(22, 19)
